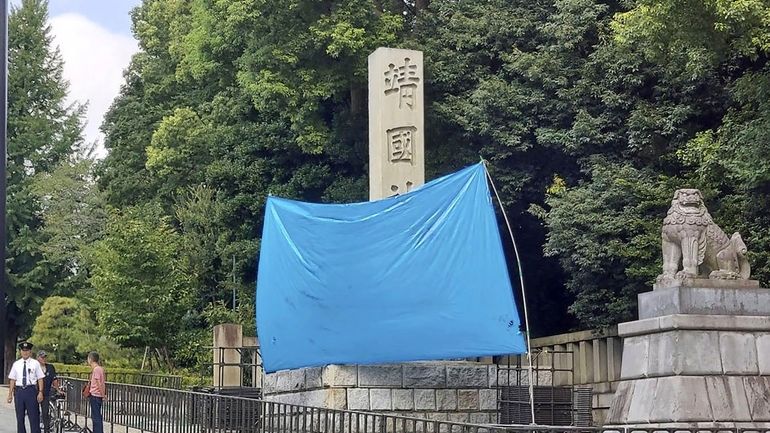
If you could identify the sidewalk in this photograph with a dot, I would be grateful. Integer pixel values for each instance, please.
(7, 413)
(8, 418)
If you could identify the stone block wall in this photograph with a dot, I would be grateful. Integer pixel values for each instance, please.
(690, 368)
(601, 400)
(456, 391)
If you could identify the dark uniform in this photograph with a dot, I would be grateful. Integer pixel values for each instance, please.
(26, 386)
(48, 393)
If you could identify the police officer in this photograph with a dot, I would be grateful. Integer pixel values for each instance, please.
(27, 385)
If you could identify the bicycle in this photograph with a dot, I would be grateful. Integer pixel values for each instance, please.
(61, 417)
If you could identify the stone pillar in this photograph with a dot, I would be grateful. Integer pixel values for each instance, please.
(698, 357)
(396, 122)
(614, 357)
(227, 359)
(600, 360)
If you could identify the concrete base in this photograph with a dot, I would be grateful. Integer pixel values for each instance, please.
(705, 300)
(692, 399)
(603, 394)
(758, 427)
(228, 338)
(704, 283)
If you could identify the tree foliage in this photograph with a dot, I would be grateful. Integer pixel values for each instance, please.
(43, 131)
(702, 97)
(607, 238)
(63, 328)
(66, 329)
(590, 114)
(142, 289)
(73, 217)
(238, 100)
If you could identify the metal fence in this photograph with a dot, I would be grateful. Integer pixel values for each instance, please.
(242, 364)
(556, 406)
(556, 401)
(133, 408)
(131, 378)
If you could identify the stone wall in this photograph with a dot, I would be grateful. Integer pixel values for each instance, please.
(456, 391)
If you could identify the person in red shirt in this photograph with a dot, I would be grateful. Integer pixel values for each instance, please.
(98, 392)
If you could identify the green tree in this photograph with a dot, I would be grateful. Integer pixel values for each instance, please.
(606, 233)
(65, 329)
(541, 89)
(73, 216)
(687, 83)
(42, 132)
(506, 80)
(696, 33)
(142, 290)
(228, 102)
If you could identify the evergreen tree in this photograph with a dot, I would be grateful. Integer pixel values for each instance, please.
(43, 131)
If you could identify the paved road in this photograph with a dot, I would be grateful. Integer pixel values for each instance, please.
(7, 414)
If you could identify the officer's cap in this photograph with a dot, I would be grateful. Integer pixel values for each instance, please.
(25, 345)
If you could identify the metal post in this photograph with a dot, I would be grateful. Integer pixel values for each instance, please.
(523, 294)
(233, 282)
(3, 153)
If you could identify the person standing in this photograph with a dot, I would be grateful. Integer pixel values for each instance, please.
(26, 385)
(50, 381)
(98, 392)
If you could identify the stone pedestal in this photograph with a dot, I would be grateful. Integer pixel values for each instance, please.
(698, 357)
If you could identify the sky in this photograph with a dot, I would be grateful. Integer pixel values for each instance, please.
(95, 41)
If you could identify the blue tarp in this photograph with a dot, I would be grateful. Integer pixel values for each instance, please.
(420, 276)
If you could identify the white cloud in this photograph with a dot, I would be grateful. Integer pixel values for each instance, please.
(94, 60)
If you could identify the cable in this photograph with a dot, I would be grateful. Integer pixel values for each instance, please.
(523, 294)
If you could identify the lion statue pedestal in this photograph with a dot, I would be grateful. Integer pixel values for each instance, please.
(699, 355)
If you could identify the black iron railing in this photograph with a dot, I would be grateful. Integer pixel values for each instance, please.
(556, 400)
(133, 408)
(235, 367)
(129, 408)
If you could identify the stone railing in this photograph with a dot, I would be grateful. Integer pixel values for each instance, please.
(594, 356)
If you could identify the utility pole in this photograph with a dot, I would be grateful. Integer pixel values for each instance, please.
(4, 155)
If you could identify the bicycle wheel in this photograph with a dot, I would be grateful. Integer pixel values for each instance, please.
(57, 425)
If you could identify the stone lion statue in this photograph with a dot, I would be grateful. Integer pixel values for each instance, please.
(691, 238)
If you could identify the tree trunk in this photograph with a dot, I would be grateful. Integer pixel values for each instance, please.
(357, 99)
(11, 335)
(144, 358)
(158, 357)
(399, 7)
(420, 5)
(169, 364)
